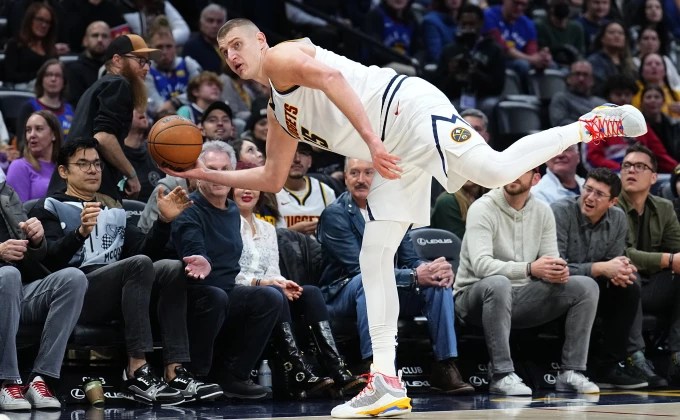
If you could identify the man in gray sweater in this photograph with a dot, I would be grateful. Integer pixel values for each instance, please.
(510, 275)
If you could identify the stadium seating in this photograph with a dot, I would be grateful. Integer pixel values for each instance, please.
(546, 84)
(133, 210)
(10, 104)
(431, 244)
(513, 85)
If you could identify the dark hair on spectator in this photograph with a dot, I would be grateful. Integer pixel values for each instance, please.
(620, 82)
(237, 144)
(26, 35)
(665, 74)
(609, 177)
(641, 148)
(440, 6)
(233, 24)
(71, 147)
(265, 201)
(663, 41)
(198, 80)
(40, 89)
(55, 126)
(473, 9)
(651, 87)
(625, 54)
(662, 28)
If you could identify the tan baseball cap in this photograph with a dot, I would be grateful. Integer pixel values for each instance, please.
(131, 44)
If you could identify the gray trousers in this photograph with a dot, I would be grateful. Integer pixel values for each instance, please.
(493, 304)
(54, 301)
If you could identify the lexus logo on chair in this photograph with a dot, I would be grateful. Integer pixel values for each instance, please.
(423, 241)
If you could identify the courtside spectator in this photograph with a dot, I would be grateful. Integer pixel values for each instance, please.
(653, 246)
(136, 151)
(207, 238)
(303, 198)
(439, 26)
(611, 54)
(35, 43)
(169, 76)
(202, 91)
(591, 236)
(666, 128)
(139, 20)
(649, 42)
(51, 88)
(593, 18)
(123, 268)
(84, 13)
(561, 35)
(569, 105)
(510, 267)
(217, 122)
(105, 113)
(653, 72)
(32, 295)
(150, 212)
(30, 175)
(202, 47)
(82, 73)
(341, 230)
(472, 67)
(560, 179)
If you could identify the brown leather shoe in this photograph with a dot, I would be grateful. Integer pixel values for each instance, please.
(447, 379)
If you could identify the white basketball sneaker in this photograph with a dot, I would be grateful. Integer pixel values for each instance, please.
(11, 397)
(612, 121)
(39, 394)
(384, 396)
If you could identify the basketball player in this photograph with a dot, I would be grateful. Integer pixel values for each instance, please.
(371, 113)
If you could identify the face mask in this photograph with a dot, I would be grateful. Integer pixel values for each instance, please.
(561, 11)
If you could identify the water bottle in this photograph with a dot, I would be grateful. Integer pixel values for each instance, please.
(264, 374)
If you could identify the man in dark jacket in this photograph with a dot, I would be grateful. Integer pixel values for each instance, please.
(84, 72)
(89, 230)
(340, 231)
(30, 294)
(105, 113)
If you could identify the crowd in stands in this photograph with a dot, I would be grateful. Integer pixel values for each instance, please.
(593, 234)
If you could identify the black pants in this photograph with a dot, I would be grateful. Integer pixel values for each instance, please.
(250, 314)
(661, 297)
(310, 304)
(617, 308)
(123, 290)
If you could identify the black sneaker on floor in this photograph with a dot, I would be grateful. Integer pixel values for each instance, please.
(243, 389)
(646, 372)
(148, 388)
(617, 378)
(191, 388)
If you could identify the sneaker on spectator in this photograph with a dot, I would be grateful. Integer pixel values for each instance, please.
(616, 377)
(39, 395)
(191, 388)
(12, 398)
(638, 363)
(234, 387)
(508, 384)
(148, 388)
(574, 381)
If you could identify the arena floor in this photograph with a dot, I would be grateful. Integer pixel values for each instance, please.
(607, 406)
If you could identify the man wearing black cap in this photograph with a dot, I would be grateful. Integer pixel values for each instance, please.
(105, 113)
(217, 122)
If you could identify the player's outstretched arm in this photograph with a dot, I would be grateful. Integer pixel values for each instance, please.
(287, 65)
(269, 178)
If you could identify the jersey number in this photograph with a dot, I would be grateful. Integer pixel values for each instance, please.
(314, 139)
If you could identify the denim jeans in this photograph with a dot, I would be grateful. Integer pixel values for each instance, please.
(435, 303)
(493, 304)
(54, 302)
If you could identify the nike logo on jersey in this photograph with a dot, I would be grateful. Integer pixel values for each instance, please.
(397, 111)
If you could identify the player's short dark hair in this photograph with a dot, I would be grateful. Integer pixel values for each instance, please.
(641, 148)
(71, 147)
(474, 9)
(233, 24)
(608, 177)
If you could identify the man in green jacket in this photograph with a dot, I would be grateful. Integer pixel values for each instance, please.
(653, 245)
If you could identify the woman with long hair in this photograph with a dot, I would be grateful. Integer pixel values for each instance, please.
(260, 267)
(653, 72)
(666, 128)
(439, 26)
(612, 54)
(30, 175)
(50, 95)
(649, 42)
(650, 14)
(35, 44)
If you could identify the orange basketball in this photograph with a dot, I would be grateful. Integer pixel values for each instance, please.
(175, 142)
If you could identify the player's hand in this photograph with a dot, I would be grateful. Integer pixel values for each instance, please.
(13, 249)
(173, 204)
(34, 230)
(306, 228)
(88, 218)
(197, 267)
(132, 187)
(383, 162)
(197, 172)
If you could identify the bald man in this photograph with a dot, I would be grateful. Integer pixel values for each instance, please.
(83, 73)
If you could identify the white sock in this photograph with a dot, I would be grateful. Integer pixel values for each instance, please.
(380, 243)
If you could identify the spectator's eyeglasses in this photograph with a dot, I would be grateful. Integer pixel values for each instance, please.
(85, 165)
(599, 195)
(141, 60)
(639, 167)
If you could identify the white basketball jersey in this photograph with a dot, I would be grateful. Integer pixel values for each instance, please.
(308, 115)
(305, 205)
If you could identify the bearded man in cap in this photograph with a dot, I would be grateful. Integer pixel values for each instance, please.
(105, 113)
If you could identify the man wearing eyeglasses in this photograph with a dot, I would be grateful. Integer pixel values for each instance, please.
(105, 113)
(591, 237)
(653, 246)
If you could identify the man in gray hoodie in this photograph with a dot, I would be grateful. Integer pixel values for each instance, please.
(511, 275)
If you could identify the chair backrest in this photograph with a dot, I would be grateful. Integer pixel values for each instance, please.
(517, 117)
(547, 83)
(10, 104)
(431, 244)
(513, 85)
(28, 205)
(133, 210)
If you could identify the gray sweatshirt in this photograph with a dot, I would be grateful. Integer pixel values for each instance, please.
(150, 213)
(500, 240)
